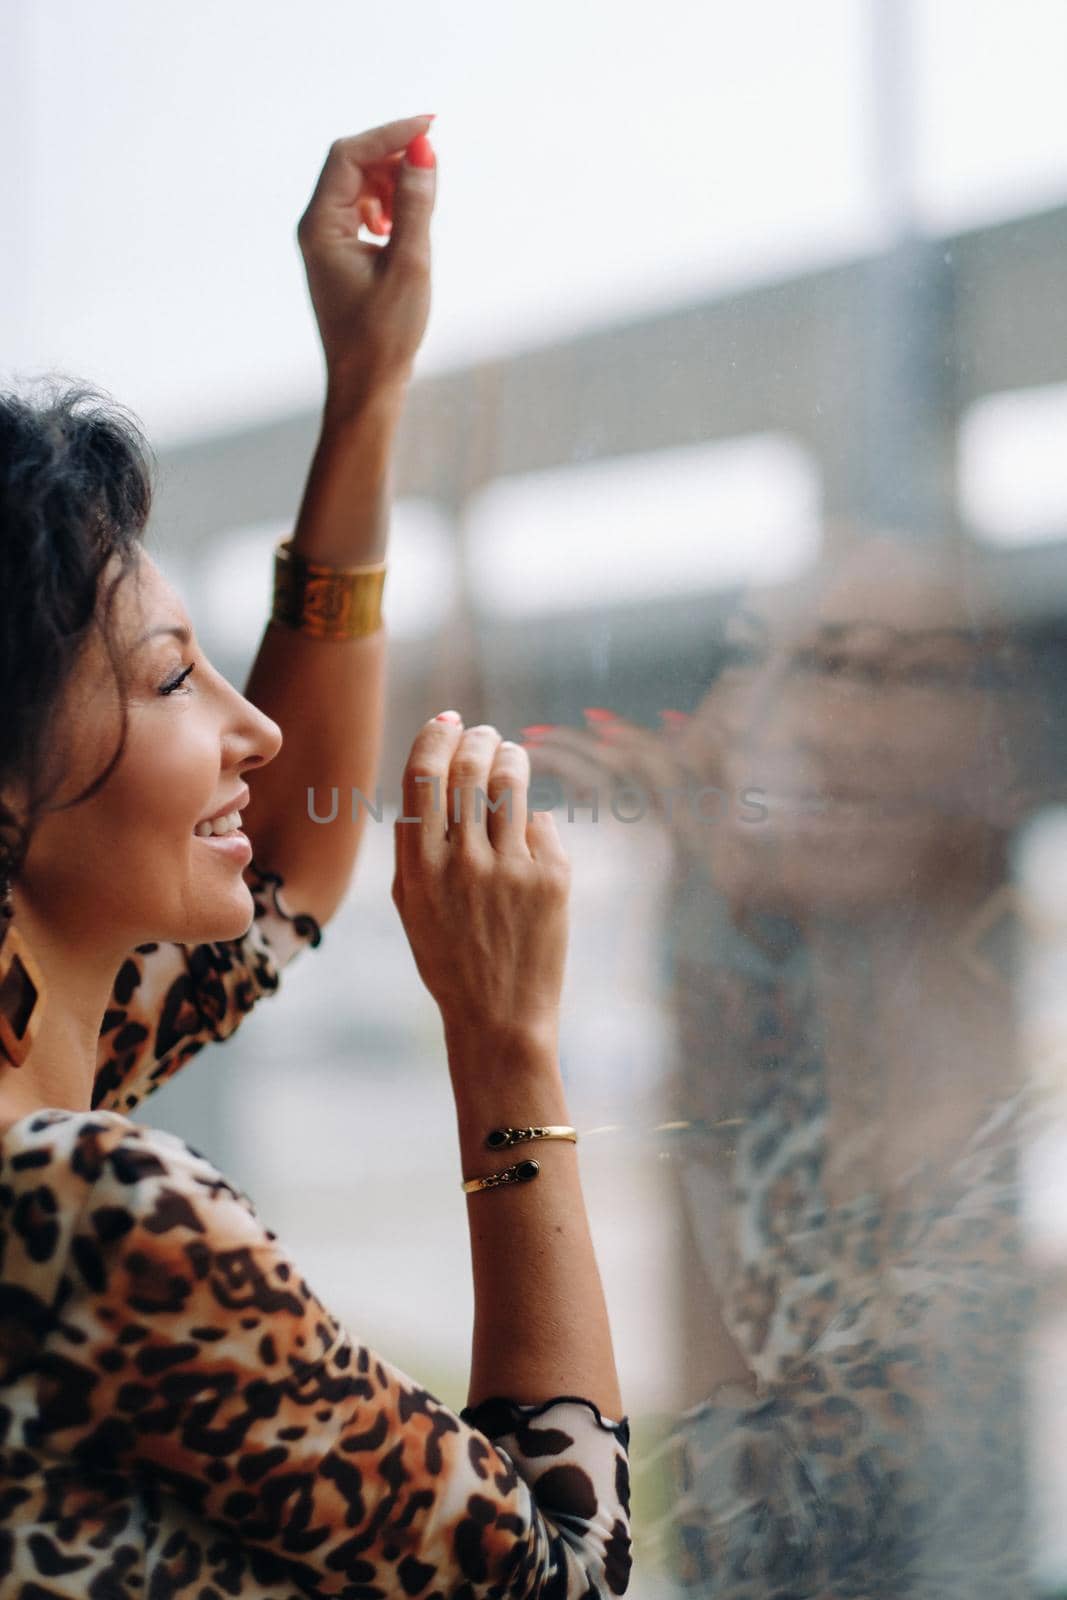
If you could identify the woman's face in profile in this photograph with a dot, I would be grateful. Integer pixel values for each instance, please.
(867, 712)
(125, 866)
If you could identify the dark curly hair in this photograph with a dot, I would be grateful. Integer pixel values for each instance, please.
(77, 476)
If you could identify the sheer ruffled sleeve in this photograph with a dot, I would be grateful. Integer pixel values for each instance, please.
(188, 1351)
(169, 1000)
(576, 1463)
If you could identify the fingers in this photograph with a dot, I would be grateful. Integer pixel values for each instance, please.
(412, 207)
(423, 790)
(468, 786)
(702, 742)
(372, 213)
(509, 780)
(466, 790)
(569, 754)
(644, 754)
(624, 753)
(376, 198)
(352, 159)
(543, 840)
(376, 143)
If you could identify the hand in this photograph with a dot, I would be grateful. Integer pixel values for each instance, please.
(484, 899)
(372, 302)
(663, 766)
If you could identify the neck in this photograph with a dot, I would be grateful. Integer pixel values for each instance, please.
(908, 1018)
(78, 974)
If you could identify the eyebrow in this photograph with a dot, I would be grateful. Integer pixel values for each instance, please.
(836, 632)
(181, 633)
(841, 630)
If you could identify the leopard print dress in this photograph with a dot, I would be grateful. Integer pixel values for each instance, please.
(880, 1451)
(181, 1417)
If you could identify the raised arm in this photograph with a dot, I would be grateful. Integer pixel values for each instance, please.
(371, 303)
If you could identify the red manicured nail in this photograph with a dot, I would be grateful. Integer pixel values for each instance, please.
(600, 714)
(448, 716)
(675, 718)
(420, 152)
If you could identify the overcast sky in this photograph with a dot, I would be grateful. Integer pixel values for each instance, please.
(595, 159)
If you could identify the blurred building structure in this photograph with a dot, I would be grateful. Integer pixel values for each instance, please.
(871, 366)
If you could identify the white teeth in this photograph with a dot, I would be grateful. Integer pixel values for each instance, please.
(792, 803)
(227, 824)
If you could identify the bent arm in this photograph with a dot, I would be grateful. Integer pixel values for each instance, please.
(540, 1319)
(247, 1400)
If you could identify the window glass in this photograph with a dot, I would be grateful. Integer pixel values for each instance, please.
(732, 484)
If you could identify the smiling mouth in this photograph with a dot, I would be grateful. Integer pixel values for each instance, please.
(811, 802)
(220, 828)
(837, 805)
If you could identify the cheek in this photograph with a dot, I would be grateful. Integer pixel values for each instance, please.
(945, 752)
(172, 775)
(911, 744)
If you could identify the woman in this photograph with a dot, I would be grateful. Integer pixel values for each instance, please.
(180, 1414)
(849, 1104)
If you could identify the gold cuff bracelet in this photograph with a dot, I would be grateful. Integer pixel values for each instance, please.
(326, 602)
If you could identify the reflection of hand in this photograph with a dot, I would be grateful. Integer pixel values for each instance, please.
(664, 766)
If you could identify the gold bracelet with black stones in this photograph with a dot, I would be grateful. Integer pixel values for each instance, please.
(521, 1172)
(503, 1138)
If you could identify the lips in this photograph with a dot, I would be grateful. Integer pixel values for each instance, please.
(238, 803)
(841, 808)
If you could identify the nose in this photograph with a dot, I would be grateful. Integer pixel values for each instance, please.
(780, 727)
(770, 699)
(251, 738)
(753, 707)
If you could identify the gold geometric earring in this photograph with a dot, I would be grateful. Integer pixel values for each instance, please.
(22, 988)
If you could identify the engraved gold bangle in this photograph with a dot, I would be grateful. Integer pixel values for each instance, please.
(504, 1138)
(521, 1172)
(326, 602)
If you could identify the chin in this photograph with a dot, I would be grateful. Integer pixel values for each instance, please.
(226, 917)
(830, 871)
